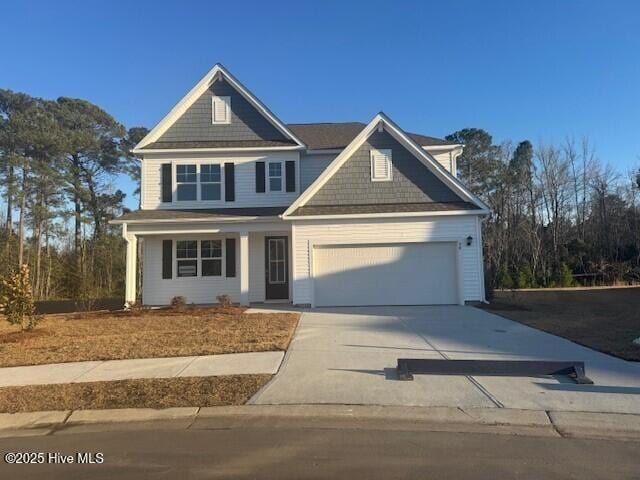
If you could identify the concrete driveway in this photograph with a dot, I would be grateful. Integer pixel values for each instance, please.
(348, 356)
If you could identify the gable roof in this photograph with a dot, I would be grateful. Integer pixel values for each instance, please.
(381, 120)
(328, 136)
(183, 105)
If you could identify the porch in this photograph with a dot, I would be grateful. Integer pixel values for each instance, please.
(249, 261)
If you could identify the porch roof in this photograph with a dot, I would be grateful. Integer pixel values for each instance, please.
(167, 215)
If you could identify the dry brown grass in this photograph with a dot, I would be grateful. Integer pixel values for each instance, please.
(139, 393)
(607, 320)
(145, 334)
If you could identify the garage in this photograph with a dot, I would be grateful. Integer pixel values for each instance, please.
(385, 274)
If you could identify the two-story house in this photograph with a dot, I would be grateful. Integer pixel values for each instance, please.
(234, 201)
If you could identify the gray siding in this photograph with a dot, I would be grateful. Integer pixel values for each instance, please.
(247, 123)
(311, 166)
(412, 181)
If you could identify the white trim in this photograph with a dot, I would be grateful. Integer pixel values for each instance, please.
(443, 147)
(386, 153)
(193, 94)
(243, 251)
(217, 150)
(407, 142)
(268, 177)
(441, 213)
(227, 107)
(183, 220)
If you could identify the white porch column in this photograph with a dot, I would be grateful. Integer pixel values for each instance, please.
(244, 267)
(131, 267)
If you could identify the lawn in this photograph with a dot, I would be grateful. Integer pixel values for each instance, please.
(146, 334)
(607, 320)
(143, 393)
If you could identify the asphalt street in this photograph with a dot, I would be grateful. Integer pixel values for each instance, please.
(264, 448)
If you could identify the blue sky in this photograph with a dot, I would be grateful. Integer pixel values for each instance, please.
(538, 70)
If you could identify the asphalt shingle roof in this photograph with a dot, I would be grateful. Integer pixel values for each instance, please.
(321, 136)
(382, 208)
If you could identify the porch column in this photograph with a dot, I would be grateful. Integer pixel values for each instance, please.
(244, 267)
(131, 267)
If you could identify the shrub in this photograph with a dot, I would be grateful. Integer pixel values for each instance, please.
(565, 276)
(16, 300)
(224, 300)
(178, 302)
(525, 278)
(505, 280)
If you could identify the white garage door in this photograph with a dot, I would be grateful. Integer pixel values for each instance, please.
(389, 274)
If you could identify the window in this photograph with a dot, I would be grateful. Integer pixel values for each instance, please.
(275, 176)
(187, 258)
(210, 187)
(220, 110)
(381, 166)
(186, 179)
(211, 254)
(277, 261)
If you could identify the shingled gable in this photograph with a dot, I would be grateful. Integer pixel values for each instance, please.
(188, 125)
(346, 181)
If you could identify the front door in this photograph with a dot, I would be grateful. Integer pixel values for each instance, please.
(276, 268)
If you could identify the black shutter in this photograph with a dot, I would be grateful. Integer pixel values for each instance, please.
(230, 257)
(229, 182)
(290, 172)
(260, 177)
(167, 259)
(167, 194)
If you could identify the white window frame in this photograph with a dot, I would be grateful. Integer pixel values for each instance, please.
(386, 152)
(190, 259)
(227, 102)
(202, 258)
(281, 176)
(199, 257)
(177, 183)
(201, 183)
(198, 164)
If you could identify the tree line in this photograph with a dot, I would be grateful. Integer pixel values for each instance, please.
(59, 160)
(560, 216)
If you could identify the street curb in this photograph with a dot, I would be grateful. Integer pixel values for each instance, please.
(472, 420)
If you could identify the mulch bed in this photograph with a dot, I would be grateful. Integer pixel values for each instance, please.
(607, 320)
(139, 393)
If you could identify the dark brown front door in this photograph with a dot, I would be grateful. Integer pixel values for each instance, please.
(276, 268)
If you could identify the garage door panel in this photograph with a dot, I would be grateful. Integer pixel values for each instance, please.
(390, 274)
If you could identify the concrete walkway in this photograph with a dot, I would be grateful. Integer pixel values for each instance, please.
(109, 370)
(348, 356)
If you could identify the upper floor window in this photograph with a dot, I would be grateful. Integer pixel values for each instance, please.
(210, 182)
(275, 176)
(381, 166)
(220, 110)
(187, 182)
